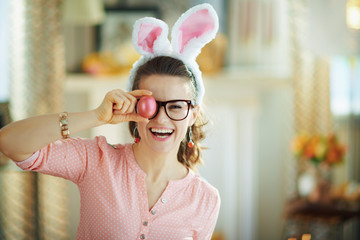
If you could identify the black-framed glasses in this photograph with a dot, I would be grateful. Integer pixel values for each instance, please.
(176, 110)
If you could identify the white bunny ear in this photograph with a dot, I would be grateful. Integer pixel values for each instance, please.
(150, 37)
(193, 30)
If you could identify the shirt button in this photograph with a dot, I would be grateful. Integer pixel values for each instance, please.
(153, 211)
(163, 200)
(142, 236)
(145, 223)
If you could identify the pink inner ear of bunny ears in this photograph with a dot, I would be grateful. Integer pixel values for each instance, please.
(195, 26)
(148, 33)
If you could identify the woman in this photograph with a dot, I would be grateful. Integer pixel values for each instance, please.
(144, 190)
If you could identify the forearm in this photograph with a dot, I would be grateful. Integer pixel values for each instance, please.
(20, 139)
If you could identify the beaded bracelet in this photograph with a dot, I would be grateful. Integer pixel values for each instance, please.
(64, 126)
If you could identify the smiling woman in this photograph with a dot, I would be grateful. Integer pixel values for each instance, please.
(184, 89)
(142, 190)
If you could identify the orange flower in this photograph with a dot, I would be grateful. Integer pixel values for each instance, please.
(318, 148)
(298, 143)
(311, 146)
(321, 149)
(332, 156)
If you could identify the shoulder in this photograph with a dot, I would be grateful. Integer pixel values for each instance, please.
(113, 151)
(96, 145)
(102, 143)
(205, 197)
(205, 189)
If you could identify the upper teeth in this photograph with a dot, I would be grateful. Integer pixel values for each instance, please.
(161, 130)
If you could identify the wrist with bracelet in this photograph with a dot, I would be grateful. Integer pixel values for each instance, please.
(64, 125)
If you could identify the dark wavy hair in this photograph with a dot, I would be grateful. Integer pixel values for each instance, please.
(189, 157)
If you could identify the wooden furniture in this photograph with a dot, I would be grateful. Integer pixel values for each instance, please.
(337, 221)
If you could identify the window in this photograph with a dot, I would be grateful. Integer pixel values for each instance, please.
(345, 106)
(4, 63)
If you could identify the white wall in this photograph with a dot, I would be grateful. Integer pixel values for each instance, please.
(231, 166)
(275, 128)
(248, 158)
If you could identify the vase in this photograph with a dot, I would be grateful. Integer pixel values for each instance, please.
(321, 192)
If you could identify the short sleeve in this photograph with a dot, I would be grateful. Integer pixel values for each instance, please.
(71, 159)
(213, 204)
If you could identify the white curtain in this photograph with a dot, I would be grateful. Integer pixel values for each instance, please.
(35, 206)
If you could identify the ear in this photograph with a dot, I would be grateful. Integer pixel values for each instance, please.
(193, 30)
(194, 113)
(150, 37)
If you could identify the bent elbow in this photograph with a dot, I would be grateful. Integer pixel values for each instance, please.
(8, 149)
(3, 142)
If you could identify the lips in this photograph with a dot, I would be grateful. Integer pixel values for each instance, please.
(161, 133)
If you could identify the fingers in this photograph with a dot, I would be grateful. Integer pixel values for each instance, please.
(128, 117)
(125, 102)
(140, 92)
(137, 118)
(122, 106)
(122, 101)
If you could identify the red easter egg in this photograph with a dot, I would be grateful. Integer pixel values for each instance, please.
(146, 106)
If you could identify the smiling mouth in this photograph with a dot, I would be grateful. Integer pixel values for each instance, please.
(161, 132)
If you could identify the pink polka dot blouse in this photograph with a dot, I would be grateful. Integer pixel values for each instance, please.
(113, 193)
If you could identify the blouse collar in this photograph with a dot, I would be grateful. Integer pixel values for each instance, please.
(135, 167)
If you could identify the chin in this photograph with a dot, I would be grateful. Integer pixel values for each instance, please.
(163, 147)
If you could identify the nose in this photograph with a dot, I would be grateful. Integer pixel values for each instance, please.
(161, 116)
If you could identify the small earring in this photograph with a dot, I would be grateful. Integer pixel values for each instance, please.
(136, 135)
(191, 142)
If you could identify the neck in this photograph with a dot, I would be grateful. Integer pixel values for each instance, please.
(159, 166)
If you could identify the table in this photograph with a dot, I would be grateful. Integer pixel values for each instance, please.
(339, 220)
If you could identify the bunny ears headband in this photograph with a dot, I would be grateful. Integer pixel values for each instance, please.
(192, 31)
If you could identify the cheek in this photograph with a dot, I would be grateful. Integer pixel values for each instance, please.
(182, 130)
(141, 128)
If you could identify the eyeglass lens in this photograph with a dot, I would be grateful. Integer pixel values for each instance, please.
(177, 110)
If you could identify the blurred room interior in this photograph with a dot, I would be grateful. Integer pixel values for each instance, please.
(282, 82)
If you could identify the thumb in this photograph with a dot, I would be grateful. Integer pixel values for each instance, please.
(135, 118)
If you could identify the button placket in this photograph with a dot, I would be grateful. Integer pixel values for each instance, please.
(144, 208)
(161, 203)
(144, 229)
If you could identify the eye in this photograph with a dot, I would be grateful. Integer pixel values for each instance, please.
(176, 106)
